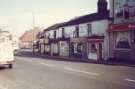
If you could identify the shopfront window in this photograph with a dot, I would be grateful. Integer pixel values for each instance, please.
(47, 48)
(123, 43)
(54, 48)
(93, 48)
(122, 40)
(78, 48)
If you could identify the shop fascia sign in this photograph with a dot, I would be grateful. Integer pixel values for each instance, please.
(121, 27)
(77, 40)
(96, 40)
(131, 26)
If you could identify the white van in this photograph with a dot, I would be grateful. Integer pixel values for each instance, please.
(6, 53)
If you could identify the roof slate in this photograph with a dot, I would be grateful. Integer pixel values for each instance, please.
(81, 19)
(88, 18)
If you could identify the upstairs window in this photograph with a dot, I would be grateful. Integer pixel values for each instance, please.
(77, 31)
(54, 34)
(63, 32)
(89, 30)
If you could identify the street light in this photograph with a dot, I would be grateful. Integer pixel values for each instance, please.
(33, 27)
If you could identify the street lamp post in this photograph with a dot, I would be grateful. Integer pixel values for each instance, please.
(33, 26)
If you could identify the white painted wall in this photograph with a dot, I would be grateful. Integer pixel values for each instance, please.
(47, 33)
(51, 34)
(83, 30)
(106, 47)
(99, 27)
(60, 32)
(57, 33)
(68, 31)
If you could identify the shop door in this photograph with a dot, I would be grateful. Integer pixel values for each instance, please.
(92, 51)
(100, 51)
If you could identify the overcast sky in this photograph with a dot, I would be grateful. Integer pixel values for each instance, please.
(17, 15)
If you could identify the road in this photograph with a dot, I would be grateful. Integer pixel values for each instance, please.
(37, 73)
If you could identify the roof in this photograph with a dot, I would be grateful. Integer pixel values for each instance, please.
(29, 36)
(88, 18)
(55, 26)
(81, 19)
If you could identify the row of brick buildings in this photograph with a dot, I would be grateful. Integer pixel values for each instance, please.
(96, 36)
(28, 37)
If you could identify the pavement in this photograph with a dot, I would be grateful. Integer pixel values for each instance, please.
(41, 73)
(29, 53)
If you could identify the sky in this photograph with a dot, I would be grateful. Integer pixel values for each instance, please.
(16, 16)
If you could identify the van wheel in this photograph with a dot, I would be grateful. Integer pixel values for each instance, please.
(10, 66)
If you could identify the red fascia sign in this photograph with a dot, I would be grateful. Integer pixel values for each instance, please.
(121, 27)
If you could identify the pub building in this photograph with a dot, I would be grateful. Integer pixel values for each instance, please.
(88, 40)
(121, 32)
(82, 37)
(52, 40)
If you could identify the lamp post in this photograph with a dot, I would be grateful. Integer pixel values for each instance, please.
(113, 9)
(33, 27)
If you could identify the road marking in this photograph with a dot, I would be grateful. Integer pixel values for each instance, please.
(69, 72)
(48, 65)
(81, 71)
(130, 80)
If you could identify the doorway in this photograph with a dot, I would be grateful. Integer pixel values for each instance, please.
(100, 52)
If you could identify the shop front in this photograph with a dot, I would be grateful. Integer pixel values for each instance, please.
(54, 49)
(36, 47)
(47, 47)
(78, 47)
(64, 48)
(95, 49)
(122, 41)
(42, 46)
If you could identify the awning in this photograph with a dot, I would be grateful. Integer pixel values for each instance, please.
(121, 27)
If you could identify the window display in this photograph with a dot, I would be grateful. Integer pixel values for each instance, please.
(122, 40)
